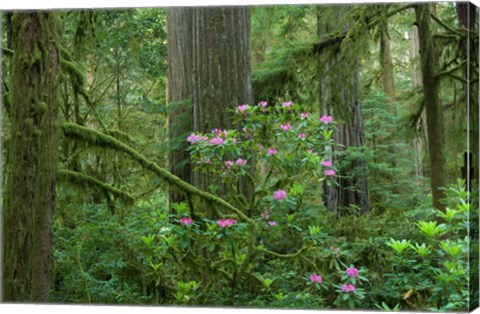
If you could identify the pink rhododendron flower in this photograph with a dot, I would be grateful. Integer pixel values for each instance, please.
(287, 104)
(241, 162)
(304, 115)
(316, 278)
(302, 135)
(279, 195)
(326, 163)
(186, 221)
(348, 288)
(229, 164)
(242, 108)
(193, 138)
(329, 173)
(264, 215)
(271, 151)
(263, 104)
(226, 222)
(216, 141)
(326, 119)
(272, 223)
(234, 141)
(285, 127)
(352, 272)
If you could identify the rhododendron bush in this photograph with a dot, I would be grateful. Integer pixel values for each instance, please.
(282, 154)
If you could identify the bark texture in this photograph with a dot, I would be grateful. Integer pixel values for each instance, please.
(33, 152)
(434, 111)
(179, 24)
(221, 71)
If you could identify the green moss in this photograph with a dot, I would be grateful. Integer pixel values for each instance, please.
(83, 179)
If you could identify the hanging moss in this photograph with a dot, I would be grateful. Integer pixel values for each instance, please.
(83, 179)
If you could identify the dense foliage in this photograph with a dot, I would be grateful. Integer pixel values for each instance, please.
(318, 195)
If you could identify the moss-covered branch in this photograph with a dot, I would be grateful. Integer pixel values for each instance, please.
(7, 52)
(81, 179)
(453, 69)
(97, 138)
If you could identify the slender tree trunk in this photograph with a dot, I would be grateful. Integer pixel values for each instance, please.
(221, 71)
(179, 23)
(435, 129)
(33, 151)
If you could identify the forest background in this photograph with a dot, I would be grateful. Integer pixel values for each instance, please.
(110, 76)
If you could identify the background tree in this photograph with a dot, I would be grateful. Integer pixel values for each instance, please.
(180, 62)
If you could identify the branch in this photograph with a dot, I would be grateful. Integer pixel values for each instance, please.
(7, 52)
(94, 137)
(318, 47)
(450, 29)
(81, 179)
(449, 71)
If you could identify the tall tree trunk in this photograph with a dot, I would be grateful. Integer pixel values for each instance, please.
(33, 151)
(353, 188)
(179, 23)
(435, 129)
(416, 80)
(389, 87)
(221, 71)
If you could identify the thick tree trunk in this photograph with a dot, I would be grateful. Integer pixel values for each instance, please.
(353, 188)
(221, 71)
(33, 150)
(179, 23)
(435, 129)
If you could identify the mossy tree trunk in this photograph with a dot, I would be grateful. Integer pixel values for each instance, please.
(221, 71)
(30, 191)
(179, 23)
(434, 111)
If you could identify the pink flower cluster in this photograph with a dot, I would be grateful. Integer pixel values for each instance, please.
(219, 132)
(186, 221)
(285, 127)
(329, 173)
(316, 278)
(304, 115)
(352, 272)
(279, 195)
(242, 108)
(216, 141)
(241, 162)
(302, 135)
(287, 104)
(229, 164)
(193, 138)
(326, 119)
(272, 223)
(348, 288)
(327, 163)
(226, 222)
(263, 104)
(272, 151)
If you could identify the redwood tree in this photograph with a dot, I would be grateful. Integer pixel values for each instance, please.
(221, 70)
(32, 157)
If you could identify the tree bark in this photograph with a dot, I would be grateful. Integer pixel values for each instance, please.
(179, 23)
(435, 120)
(221, 72)
(33, 152)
